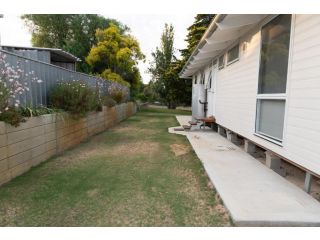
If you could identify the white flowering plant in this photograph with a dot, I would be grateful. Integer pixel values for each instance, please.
(13, 83)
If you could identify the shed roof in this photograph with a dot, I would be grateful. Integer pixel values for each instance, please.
(224, 30)
(58, 55)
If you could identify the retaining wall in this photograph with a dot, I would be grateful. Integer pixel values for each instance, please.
(42, 137)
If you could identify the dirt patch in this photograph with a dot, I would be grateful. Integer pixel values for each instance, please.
(140, 147)
(194, 190)
(8, 215)
(220, 209)
(92, 192)
(179, 149)
(125, 148)
(191, 186)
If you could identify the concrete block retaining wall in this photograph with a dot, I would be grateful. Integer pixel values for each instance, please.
(42, 137)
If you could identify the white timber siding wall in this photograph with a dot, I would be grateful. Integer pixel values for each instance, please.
(302, 135)
(237, 86)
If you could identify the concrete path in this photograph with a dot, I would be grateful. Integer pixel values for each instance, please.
(253, 194)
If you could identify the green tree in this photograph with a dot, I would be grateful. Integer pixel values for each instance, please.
(163, 68)
(116, 55)
(74, 33)
(163, 55)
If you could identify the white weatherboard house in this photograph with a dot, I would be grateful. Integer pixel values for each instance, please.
(260, 77)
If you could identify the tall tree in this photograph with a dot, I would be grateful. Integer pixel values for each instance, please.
(115, 56)
(165, 74)
(74, 33)
(162, 58)
(164, 70)
(163, 55)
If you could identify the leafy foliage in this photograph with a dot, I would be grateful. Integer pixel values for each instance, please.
(108, 101)
(37, 111)
(75, 98)
(179, 90)
(109, 75)
(163, 55)
(12, 116)
(117, 93)
(16, 115)
(116, 56)
(165, 69)
(74, 33)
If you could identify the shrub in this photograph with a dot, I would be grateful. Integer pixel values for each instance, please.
(117, 96)
(75, 97)
(142, 97)
(109, 102)
(12, 116)
(38, 111)
(118, 93)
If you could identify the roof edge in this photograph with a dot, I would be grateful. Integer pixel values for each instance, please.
(44, 49)
(212, 27)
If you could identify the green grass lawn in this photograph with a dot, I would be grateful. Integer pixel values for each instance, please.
(135, 174)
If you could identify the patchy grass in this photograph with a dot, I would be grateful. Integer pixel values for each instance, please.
(135, 174)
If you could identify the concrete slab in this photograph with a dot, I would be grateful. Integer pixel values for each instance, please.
(254, 194)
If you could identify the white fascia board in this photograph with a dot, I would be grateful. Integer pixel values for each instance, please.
(226, 30)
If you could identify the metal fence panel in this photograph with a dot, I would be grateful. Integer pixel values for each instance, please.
(49, 75)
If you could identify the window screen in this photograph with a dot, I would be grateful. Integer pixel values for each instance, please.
(233, 54)
(275, 37)
(270, 118)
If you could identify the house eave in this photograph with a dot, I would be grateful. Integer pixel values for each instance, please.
(221, 33)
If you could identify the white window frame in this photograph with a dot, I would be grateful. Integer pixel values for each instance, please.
(234, 60)
(224, 62)
(275, 96)
(278, 96)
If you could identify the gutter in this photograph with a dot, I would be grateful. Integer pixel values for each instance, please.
(210, 30)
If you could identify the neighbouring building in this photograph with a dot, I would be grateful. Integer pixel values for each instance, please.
(52, 56)
(260, 77)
